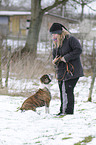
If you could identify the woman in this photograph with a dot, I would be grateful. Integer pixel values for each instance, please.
(66, 58)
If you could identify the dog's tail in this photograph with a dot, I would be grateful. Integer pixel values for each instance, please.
(20, 108)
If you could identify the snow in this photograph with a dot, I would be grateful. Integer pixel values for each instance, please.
(33, 128)
(10, 13)
(94, 29)
(74, 30)
(41, 129)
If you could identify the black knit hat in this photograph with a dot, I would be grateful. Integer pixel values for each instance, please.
(56, 28)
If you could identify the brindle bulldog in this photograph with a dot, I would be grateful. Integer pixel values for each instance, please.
(41, 98)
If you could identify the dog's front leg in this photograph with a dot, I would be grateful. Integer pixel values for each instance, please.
(46, 108)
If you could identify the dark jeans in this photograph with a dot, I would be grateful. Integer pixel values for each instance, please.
(67, 95)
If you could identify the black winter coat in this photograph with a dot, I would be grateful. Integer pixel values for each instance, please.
(71, 50)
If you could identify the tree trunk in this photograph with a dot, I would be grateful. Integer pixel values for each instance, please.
(35, 24)
(82, 12)
(94, 72)
(8, 66)
(0, 70)
(0, 62)
(36, 19)
(91, 88)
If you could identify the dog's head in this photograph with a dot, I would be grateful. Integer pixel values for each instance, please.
(46, 79)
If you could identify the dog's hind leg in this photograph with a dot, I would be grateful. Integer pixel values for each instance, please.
(22, 111)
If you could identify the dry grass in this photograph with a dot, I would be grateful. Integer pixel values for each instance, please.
(29, 68)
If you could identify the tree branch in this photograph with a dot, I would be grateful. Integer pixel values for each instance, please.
(77, 2)
(56, 3)
(91, 8)
(83, 2)
(86, 3)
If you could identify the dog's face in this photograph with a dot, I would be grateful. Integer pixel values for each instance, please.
(46, 79)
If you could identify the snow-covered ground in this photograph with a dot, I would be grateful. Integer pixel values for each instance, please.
(32, 128)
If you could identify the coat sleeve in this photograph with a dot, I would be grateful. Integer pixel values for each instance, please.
(75, 50)
(54, 53)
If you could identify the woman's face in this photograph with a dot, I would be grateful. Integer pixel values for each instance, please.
(54, 37)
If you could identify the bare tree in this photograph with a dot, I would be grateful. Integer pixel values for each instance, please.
(0, 2)
(37, 13)
(36, 19)
(83, 3)
(93, 71)
(0, 62)
(5, 2)
(8, 66)
(0, 70)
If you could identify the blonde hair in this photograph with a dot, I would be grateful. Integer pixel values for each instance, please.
(60, 38)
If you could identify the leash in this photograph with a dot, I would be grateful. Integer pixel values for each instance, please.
(67, 70)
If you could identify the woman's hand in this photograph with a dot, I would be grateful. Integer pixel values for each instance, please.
(56, 60)
(63, 59)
